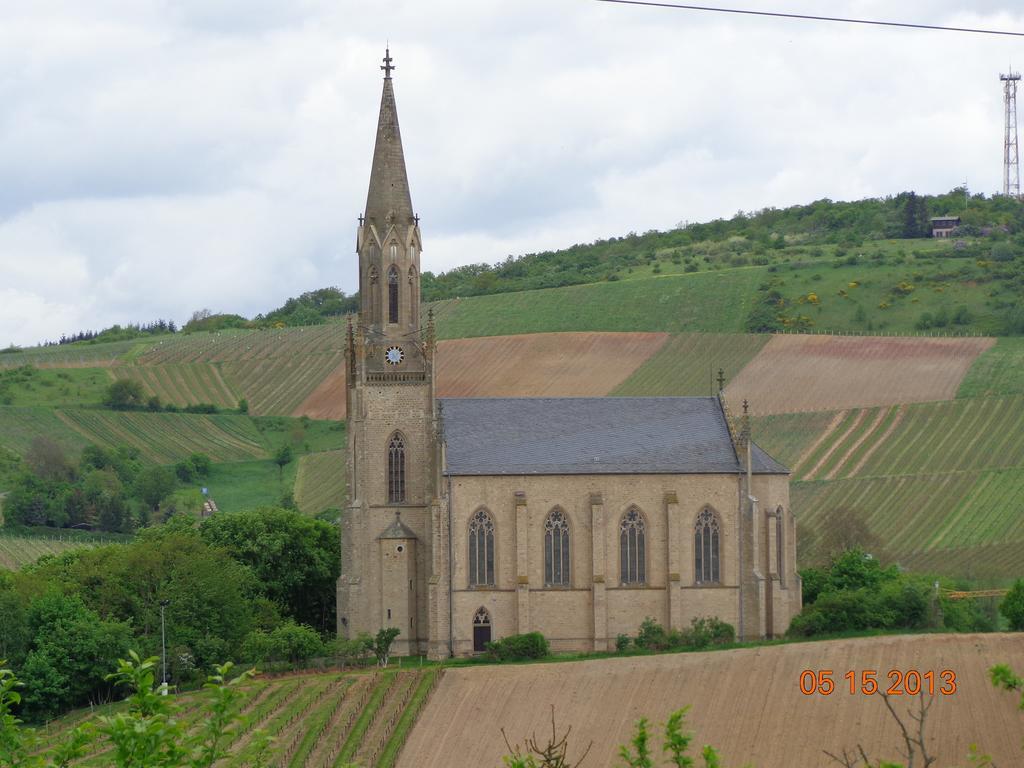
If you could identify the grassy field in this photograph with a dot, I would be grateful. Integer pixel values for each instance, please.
(29, 386)
(316, 720)
(998, 371)
(710, 301)
(248, 484)
(688, 364)
(320, 482)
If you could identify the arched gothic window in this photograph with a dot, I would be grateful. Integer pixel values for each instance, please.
(556, 549)
(632, 548)
(706, 545)
(481, 549)
(780, 545)
(396, 469)
(393, 294)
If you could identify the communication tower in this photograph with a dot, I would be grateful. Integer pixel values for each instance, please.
(1011, 160)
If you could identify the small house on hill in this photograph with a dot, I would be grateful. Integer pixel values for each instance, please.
(943, 226)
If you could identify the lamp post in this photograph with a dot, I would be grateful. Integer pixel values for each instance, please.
(163, 642)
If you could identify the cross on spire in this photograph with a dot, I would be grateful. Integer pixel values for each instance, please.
(721, 379)
(388, 67)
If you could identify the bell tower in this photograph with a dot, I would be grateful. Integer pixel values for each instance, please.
(392, 446)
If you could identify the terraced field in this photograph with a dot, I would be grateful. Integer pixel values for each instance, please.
(279, 385)
(316, 720)
(320, 482)
(185, 383)
(998, 371)
(164, 438)
(19, 426)
(70, 355)
(245, 344)
(688, 364)
(18, 550)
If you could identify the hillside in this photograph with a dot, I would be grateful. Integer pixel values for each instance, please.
(771, 725)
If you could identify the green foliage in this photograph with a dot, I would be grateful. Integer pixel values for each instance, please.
(197, 465)
(381, 646)
(531, 645)
(311, 308)
(676, 743)
(296, 559)
(703, 632)
(622, 643)
(204, 320)
(856, 593)
(124, 394)
(1003, 677)
(291, 642)
(1012, 606)
(153, 485)
(68, 655)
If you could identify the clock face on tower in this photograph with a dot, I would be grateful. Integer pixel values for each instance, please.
(393, 355)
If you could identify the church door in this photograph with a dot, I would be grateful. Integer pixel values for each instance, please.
(481, 630)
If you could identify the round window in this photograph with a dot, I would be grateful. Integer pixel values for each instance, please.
(401, 548)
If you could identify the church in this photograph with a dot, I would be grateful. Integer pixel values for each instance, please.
(470, 519)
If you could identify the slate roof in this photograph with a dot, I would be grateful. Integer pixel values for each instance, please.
(591, 435)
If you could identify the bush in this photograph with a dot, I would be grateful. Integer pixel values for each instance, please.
(622, 643)
(708, 631)
(532, 645)
(295, 643)
(124, 394)
(1012, 606)
(652, 636)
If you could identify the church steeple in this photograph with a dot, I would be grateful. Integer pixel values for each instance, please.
(388, 200)
(389, 236)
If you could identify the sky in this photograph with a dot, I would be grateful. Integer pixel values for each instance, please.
(162, 156)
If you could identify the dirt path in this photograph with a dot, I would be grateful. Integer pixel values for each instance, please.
(809, 475)
(879, 442)
(745, 702)
(882, 413)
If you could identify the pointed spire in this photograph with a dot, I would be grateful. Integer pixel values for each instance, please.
(388, 200)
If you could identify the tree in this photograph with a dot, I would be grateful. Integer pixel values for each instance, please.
(1012, 606)
(294, 558)
(69, 654)
(283, 456)
(382, 644)
(47, 460)
(124, 394)
(295, 643)
(153, 485)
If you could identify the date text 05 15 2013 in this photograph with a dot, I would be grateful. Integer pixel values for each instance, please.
(895, 682)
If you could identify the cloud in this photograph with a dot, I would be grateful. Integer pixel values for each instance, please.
(161, 157)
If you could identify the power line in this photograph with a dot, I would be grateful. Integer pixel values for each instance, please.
(805, 17)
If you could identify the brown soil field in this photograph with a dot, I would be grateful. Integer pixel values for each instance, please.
(327, 401)
(542, 364)
(746, 703)
(531, 365)
(819, 373)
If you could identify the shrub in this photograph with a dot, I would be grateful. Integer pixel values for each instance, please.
(708, 631)
(622, 643)
(124, 394)
(291, 642)
(1012, 606)
(532, 645)
(652, 636)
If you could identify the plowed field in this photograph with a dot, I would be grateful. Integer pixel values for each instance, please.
(745, 702)
(819, 373)
(542, 364)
